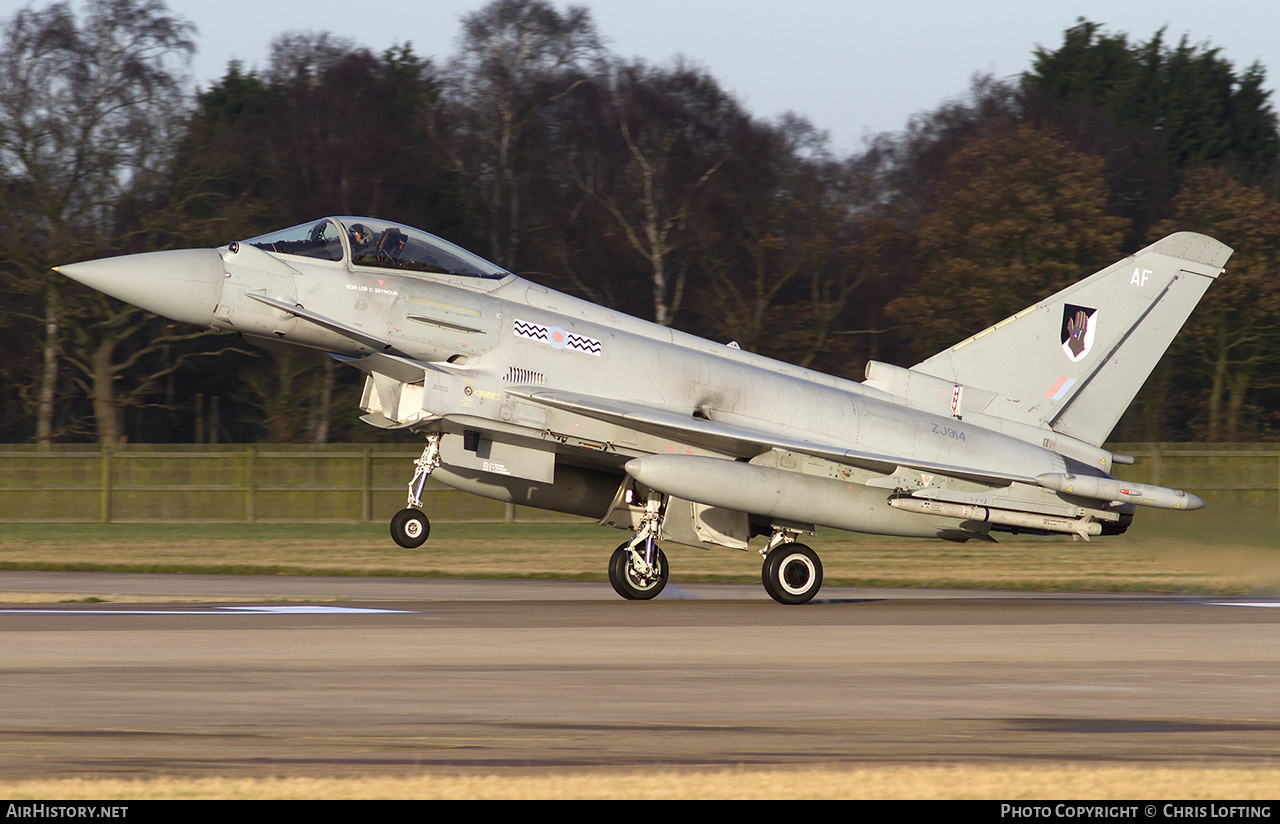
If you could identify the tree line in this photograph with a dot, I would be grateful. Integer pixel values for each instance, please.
(647, 188)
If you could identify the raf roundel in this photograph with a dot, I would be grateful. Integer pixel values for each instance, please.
(556, 338)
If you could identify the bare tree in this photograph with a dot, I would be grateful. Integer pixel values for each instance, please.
(776, 224)
(666, 134)
(517, 58)
(85, 115)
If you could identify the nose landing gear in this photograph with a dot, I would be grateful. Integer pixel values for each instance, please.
(410, 527)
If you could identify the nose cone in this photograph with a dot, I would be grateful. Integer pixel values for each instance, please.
(184, 285)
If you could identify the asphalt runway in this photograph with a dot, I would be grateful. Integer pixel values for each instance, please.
(374, 676)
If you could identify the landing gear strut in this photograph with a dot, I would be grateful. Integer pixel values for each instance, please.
(792, 572)
(638, 569)
(409, 527)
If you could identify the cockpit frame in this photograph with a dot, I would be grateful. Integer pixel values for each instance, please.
(371, 243)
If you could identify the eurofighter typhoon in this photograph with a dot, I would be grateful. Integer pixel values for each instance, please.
(533, 397)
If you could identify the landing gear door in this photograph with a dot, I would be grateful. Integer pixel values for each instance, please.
(627, 509)
(695, 524)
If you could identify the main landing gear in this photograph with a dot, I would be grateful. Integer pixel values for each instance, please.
(792, 572)
(409, 527)
(638, 568)
(638, 573)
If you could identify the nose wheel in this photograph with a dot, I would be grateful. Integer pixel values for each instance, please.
(410, 528)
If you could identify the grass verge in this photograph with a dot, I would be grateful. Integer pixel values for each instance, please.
(1187, 552)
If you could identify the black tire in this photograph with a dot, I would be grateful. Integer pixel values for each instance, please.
(625, 582)
(410, 528)
(792, 574)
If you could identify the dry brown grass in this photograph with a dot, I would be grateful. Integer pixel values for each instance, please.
(1005, 782)
(1214, 557)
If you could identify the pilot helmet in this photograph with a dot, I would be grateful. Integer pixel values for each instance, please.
(360, 235)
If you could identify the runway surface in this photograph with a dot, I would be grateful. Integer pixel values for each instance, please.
(402, 675)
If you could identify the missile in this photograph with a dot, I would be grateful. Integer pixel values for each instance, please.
(1006, 517)
(1112, 489)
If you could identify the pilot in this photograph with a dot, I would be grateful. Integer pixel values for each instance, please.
(361, 240)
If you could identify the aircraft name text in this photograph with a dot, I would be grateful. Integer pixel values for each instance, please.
(377, 290)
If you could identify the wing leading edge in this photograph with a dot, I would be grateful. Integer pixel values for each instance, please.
(740, 441)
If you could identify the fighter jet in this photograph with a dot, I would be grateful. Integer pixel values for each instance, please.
(533, 397)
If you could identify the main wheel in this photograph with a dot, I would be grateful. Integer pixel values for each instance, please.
(792, 574)
(628, 583)
(410, 528)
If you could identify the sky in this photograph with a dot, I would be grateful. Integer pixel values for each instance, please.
(853, 68)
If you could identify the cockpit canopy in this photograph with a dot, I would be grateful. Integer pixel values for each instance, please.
(377, 243)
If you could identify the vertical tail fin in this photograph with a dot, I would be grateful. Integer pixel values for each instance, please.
(1074, 361)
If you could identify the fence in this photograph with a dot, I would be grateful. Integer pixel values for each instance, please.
(1245, 475)
(352, 483)
(357, 483)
